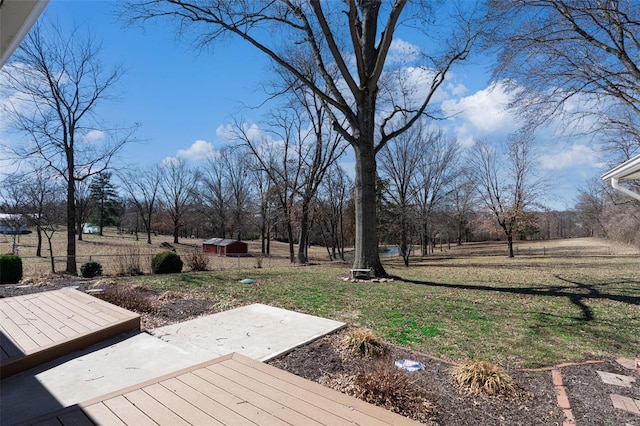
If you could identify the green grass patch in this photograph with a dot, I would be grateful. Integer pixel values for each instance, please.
(521, 312)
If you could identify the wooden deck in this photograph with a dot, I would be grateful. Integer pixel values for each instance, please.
(230, 390)
(40, 327)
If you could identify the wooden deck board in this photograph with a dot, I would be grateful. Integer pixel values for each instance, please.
(126, 411)
(230, 390)
(38, 330)
(213, 408)
(48, 306)
(47, 314)
(101, 411)
(255, 397)
(305, 406)
(40, 327)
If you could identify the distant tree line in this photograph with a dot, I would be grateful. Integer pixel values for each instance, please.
(427, 200)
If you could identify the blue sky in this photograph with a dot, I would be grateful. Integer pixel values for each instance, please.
(182, 96)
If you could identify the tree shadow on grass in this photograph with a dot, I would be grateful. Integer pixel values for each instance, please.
(576, 292)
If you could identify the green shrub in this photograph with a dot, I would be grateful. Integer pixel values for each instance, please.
(166, 262)
(10, 269)
(91, 269)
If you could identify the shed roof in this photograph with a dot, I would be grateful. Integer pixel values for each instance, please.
(221, 241)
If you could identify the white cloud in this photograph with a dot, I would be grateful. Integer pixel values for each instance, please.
(169, 161)
(457, 89)
(198, 150)
(483, 112)
(576, 156)
(229, 132)
(93, 136)
(402, 52)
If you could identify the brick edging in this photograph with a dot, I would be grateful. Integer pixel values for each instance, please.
(561, 391)
(563, 399)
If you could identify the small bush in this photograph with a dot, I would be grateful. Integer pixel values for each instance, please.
(479, 376)
(135, 298)
(364, 342)
(197, 260)
(91, 269)
(10, 269)
(386, 386)
(166, 262)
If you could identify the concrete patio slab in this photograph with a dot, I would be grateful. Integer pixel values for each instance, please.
(258, 331)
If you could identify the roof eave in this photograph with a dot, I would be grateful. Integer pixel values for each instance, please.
(628, 170)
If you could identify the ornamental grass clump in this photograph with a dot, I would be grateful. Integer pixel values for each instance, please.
(483, 377)
(364, 342)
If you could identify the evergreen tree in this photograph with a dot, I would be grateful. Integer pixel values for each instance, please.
(105, 198)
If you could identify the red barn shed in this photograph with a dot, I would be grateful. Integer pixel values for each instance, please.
(225, 247)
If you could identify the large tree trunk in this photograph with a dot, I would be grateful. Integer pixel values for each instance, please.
(366, 250)
(101, 217)
(510, 244)
(292, 255)
(53, 260)
(304, 233)
(148, 234)
(39, 245)
(71, 223)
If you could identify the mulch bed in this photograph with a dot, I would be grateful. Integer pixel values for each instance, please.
(536, 403)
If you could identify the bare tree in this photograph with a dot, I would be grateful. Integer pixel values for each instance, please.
(336, 35)
(279, 158)
(552, 51)
(142, 187)
(238, 180)
(177, 184)
(400, 159)
(55, 83)
(508, 185)
(461, 200)
(320, 153)
(213, 195)
(332, 198)
(267, 209)
(82, 195)
(433, 178)
(42, 193)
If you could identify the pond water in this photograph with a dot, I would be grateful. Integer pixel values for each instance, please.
(391, 251)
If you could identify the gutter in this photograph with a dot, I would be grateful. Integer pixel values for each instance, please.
(615, 185)
(629, 170)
